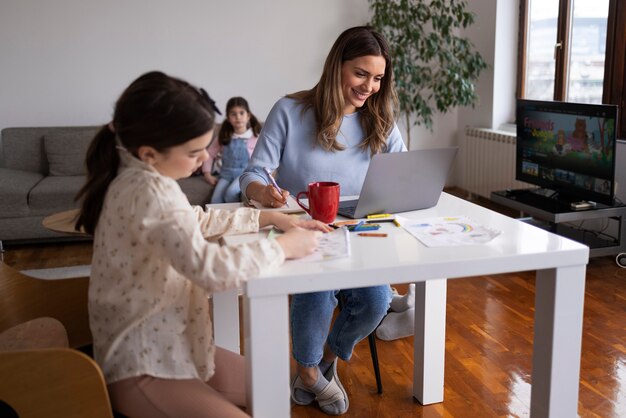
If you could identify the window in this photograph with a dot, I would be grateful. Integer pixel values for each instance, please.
(565, 50)
(575, 51)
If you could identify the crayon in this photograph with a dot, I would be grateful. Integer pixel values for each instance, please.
(379, 215)
(396, 223)
(375, 221)
(372, 234)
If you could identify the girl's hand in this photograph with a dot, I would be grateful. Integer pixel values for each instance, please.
(311, 224)
(285, 222)
(298, 242)
(212, 180)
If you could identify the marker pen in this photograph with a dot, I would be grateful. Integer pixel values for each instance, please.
(378, 215)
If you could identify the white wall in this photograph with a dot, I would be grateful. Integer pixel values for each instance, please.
(495, 36)
(65, 62)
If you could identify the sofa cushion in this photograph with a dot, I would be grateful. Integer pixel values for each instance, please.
(55, 194)
(198, 191)
(66, 150)
(15, 186)
(22, 149)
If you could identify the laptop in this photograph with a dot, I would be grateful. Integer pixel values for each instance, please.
(401, 182)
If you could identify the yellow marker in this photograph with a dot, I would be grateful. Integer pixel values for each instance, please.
(396, 223)
(379, 215)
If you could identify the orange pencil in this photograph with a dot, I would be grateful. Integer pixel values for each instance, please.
(372, 234)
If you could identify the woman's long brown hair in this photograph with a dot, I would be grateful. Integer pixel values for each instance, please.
(379, 112)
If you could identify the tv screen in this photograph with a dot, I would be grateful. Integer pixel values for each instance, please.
(568, 148)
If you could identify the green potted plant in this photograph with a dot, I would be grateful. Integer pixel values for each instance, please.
(434, 67)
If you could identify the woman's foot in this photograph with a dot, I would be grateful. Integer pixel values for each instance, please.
(327, 390)
(397, 325)
(401, 303)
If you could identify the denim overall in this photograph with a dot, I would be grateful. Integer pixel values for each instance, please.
(234, 160)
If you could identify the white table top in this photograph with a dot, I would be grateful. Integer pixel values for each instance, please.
(403, 258)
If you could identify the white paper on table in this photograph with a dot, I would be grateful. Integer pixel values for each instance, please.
(332, 245)
(448, 231)
(291, 201)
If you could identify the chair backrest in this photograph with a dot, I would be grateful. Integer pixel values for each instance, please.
(23, 298)
(53, 382)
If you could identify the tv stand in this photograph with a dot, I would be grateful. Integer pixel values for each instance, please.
(550, 212)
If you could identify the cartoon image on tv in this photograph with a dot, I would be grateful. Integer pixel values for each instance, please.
(579, 140)
(578, 148)
(561, 147)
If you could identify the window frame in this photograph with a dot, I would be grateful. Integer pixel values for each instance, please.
(614, 83)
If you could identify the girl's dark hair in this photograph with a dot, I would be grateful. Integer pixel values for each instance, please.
(227, 130)
(379, 112)
(155, 110)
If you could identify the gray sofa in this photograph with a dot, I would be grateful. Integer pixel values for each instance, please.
(42, 169)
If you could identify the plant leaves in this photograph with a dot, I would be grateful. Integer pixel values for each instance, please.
(434, 67)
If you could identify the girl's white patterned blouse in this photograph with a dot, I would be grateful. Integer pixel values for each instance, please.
(155, 261)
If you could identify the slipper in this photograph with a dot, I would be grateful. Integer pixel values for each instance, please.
(332, 392)
(304, 396)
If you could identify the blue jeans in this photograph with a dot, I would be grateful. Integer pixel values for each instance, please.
(312, 313)
(226, 191)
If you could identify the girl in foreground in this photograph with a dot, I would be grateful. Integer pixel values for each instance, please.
(152, 265)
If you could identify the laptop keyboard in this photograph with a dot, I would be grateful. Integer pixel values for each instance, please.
(348, 209)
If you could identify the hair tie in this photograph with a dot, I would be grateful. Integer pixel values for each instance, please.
(111, 126)
(210, 101)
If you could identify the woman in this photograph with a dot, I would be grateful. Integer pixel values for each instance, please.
(330, 133)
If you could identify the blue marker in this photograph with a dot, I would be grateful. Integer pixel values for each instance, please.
(269, 175)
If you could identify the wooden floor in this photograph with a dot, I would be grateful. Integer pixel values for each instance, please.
(488, 346)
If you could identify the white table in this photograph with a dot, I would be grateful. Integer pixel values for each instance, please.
(400, 258)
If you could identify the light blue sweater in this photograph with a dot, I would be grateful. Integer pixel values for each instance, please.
(287, 142)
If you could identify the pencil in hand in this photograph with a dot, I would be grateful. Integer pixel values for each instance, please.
(271, 179)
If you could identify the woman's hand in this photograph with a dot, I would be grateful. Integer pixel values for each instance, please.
(267, 195)
(286, 222)
(298, 242)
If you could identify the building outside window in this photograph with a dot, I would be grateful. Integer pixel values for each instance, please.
(563, 50)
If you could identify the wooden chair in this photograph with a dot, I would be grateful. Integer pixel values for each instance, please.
(23, 298)
(40, 375)
(52, 383)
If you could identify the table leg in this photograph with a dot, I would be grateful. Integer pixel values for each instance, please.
(226, 320)
(429, 341)
(266, 336)
(557, 342)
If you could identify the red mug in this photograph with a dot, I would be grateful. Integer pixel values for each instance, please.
(323, 200)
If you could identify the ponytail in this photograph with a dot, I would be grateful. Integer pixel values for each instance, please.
(102, 162)
(156, 110)
(255, 125)
(226, 132)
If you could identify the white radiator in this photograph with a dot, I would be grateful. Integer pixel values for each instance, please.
(488, 161)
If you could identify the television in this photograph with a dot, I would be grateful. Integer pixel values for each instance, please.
(568, 149)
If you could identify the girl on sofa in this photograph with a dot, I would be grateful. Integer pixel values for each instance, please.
(234, 145)
(152, 266)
